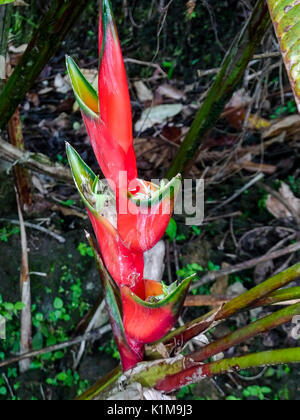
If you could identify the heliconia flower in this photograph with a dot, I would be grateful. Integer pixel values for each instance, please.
(153, 288)
(107, 115)
(125, 266)
(131, 215)
(143, 216)
(147, 322)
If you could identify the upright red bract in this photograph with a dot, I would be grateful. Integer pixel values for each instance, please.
(132, 215)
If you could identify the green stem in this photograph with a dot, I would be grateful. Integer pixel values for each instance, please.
(232, 70)
(198, 373)
(170, 375)
(44, 43)
(183, 334)
(244, 334)
(280, 296)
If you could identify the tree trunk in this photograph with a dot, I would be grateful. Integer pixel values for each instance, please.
(46, 40)
(5, 19)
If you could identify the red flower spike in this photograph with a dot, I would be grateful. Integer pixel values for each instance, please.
(108, 120)
(114, 97)
(148, 322)
(126, 267)
(143, 217)
(131, 352)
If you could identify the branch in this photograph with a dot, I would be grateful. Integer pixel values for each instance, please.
(92, 335)
(282, 297)
(244, 334)
(44, 43)
(213, 275)
(35, 161)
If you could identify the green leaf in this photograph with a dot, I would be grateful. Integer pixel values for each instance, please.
(172, 230)
(6, 1)
(8, 306)
(19, 306)
(58, 303)
(3, 390)
(62, 376)
(286, 19)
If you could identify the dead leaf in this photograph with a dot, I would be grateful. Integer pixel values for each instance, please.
(277, 209)
(290, 125)
(33, 98)
(157, 115)
(190, 7)
(61, 84)
(45, 91)
(236, 112)
(144, 94)
(263, 271)
(66, 211)
(172, 133)
(20, 3)
(256, 167)
(221, 285)
(18, 50)
(171, 92)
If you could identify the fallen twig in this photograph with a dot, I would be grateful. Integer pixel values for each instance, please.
(209, 72)
(213, 275)
(240, 191)
(59, 238)
(92, 335)
(35, 161)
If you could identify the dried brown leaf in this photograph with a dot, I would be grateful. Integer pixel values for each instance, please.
(277, 209)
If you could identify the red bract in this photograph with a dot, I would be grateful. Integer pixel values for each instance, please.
(147, 322)
(125, 266)
(144, 216)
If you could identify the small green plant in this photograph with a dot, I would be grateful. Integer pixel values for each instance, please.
(9, 309)
(6, 233)
(85, 250)
(288, 109)
(111, 349)
(257, 391)
(170, 66)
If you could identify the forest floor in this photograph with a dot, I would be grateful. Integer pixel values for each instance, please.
(241, 223)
